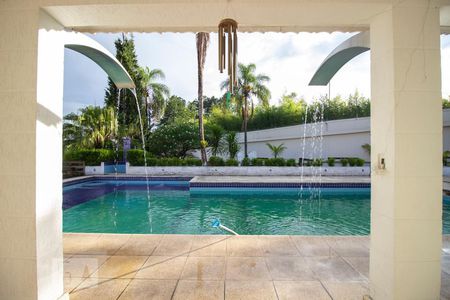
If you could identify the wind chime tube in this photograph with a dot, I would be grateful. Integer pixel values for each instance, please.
(230, 65)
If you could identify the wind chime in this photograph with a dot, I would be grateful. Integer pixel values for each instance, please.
(228, 33)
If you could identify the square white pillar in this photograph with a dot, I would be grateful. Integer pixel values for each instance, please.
(31, 82)
(406, 130)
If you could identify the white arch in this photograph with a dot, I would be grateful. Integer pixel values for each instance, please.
(101, 56)
(342, 54)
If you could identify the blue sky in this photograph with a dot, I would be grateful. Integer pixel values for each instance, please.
(290, 60)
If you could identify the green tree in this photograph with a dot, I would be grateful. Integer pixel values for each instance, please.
(276, 150)
(202, 39)
(232, 144)
(176, 110)
(445, 103)
(155, 92)
(126, 55)
(93, 128)
(214, 136)
(249, 86)
(174, 139)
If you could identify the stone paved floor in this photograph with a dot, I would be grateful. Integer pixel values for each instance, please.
(112, 266)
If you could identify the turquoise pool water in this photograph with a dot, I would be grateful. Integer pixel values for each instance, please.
(172, 208)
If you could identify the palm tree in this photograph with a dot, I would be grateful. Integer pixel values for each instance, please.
(249, 85)
(159, 92)
(276, 150)
(94, 127)
(202, 39)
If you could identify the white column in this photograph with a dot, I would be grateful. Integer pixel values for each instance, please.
(31, 81)
(406, 125)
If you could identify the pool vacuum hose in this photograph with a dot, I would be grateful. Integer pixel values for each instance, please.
(216, 224)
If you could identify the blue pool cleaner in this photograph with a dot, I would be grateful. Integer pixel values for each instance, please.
(216, 224)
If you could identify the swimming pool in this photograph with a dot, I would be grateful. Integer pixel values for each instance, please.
(169, 206)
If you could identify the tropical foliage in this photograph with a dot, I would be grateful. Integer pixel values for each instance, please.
(93, 128)
(276, 150)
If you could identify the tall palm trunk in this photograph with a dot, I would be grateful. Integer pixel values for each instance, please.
(245, 125)
(202, 45)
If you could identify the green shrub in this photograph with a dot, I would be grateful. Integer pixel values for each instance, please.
(258, 162)
(360, 162)
(445, 157)
(352, 161)
(136, 157)
(152, 161)
(245, 162)
(291, 162)
(318, 162)
(192, 161)
(232, 162)
(331, 161)
(93, 157)
(275, 162)
(216, 161)
(344, 162)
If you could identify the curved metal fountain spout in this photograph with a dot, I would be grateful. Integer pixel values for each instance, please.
(101, 56)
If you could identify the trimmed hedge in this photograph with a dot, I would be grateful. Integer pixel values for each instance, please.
(216, 161)
(136, 158)
(93, 157)
(291, 162)
(231, 163)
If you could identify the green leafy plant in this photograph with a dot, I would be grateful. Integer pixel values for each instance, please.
(276, 150)
(92, 157)
(258, 162)
(318, 162)
(232, 144)
(216, 161)
(445, 157)
(245, 162)
(366, 147)
(344, 162)
(331, 161)
(136, 157)
(352, 161)
(291, 162)
(275, 162)
(360, 162)
(232, 162)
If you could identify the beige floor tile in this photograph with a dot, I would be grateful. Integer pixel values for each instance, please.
(313, 246)
(199, 290)
(244, 246)
(333, 269)
(120, 267)
(347, 290)
(172, 245)
(143, 289)
(204, 268)
(83, 265)
(246, 268)
(70, 283)
(249, 290)
(293, 290)
(74, 243)
(289, 268)
(140, 244)
(162, 267)
(349, 246)
(93, 288)
(278, 246)
(106, 244)
(360, 264)
(209, 245)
